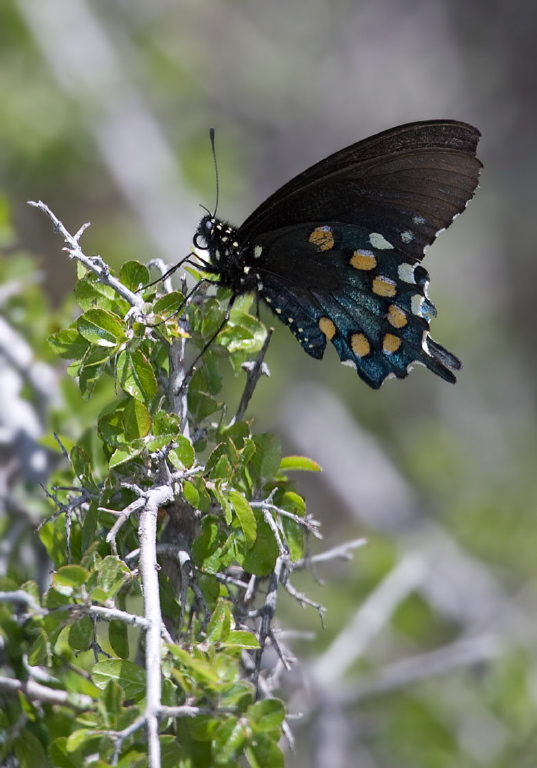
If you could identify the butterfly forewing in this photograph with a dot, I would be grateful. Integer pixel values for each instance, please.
(410, 180)
(335, 252)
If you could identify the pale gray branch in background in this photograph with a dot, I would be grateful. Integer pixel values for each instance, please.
(367, 485)
(92, 70)
(370, 618)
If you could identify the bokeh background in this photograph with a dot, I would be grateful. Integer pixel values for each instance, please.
(427, 657)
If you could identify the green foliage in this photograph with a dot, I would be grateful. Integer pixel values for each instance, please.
(233, 508)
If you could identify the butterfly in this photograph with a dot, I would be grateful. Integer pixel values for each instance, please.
(336, 252)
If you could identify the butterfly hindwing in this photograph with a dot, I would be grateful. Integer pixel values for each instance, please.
(330, 282)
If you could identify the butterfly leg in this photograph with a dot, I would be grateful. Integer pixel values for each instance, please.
(190, 372)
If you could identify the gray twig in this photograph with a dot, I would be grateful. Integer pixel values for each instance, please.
(94, 263)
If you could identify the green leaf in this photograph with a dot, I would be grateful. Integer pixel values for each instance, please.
(167, 425)
(239, 431)
(119, 638)
(107, 578)
(245, 516)
(243, 332)
(220, 622)
(168, 304)
(89, 526)
(191, 494)
(88, 376)
(112, 699)
(129, 676)
(166, 429)
(101, 328)
(81, 464)
(136, 376)
(111, 425)
(83, 737)
(241, 639)
(60, 756)
(266, 461)
(229, 740)
(294, 532)
(69, 344)
(264, 752)
(122, 455)
(81, 634)
(208, 378)
(202, 727)
(91, 292)
(199, 668)
(261, 558)
(292, 502)
(224, 503)
(200, 404)
(208, 540)
(137, 420)
(69, 577)
(171, 753)
(221, 470)
(183, 455)
(134, 275)
(268, 714)
(29, 751)
(299, 462)
(38, 652)
(135, 757)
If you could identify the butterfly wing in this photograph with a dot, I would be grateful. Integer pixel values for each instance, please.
(328, 282)
(336, 251)
(406, 184)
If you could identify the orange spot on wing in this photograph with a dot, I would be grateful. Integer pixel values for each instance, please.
(396, 317)
(360, 345)
(383, 286)
(363, 260)
(327, 327)
(323, 238)
(391, 343)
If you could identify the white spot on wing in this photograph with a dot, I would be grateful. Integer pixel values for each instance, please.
(425, 343)
(416, 304)
(407, 236)
(349, 363)
(378, 241)
(406, 272)
(418, 220)
(257, 251)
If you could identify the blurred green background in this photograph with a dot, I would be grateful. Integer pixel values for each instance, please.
(104, 114)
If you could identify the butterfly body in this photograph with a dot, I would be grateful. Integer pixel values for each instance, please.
(335, 253)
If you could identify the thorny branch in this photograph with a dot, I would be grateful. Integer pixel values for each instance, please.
(94, 263)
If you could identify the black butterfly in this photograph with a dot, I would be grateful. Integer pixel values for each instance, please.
(336, 252)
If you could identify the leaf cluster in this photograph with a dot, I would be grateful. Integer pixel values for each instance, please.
(232, 520)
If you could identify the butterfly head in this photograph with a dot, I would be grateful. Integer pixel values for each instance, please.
(225, 255)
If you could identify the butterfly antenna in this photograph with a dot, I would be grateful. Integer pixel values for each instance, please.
(211, 136)
(166, 274)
